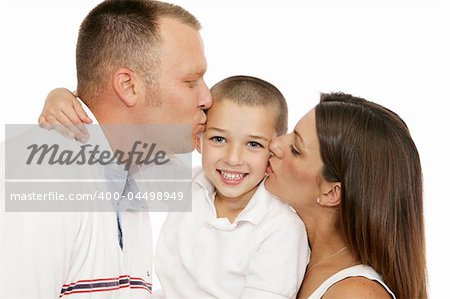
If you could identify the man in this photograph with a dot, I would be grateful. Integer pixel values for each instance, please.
(138, 62)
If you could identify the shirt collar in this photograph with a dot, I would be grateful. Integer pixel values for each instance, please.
(97, 137)
(115, 174)
(256, 208)
(205, 184)
(88, 111)
(96, 134)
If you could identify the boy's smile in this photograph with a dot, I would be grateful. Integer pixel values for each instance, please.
(235, 148)
(232, 178)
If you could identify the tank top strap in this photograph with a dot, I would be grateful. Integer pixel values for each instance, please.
(358, 270)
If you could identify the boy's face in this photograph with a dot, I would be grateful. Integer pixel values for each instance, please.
(235, 148)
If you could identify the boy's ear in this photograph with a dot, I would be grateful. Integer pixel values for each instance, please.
(126, 86)
(198, 142)
(331, 194)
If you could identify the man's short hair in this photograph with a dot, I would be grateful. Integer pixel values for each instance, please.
(253, 92)
(122, 33)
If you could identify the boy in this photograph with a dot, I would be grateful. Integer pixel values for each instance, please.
(238, 241)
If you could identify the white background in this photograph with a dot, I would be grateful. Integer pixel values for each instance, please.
(393, 52)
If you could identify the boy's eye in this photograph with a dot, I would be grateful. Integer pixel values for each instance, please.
(217, 139)
(255, 144)
(295, 151)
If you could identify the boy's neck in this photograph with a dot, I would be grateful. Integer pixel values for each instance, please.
(230, 207)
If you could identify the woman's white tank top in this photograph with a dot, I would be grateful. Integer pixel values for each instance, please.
(358, 270)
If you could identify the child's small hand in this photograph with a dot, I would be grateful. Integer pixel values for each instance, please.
(63, 112)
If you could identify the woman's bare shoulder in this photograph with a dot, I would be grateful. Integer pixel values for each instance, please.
(357, 287)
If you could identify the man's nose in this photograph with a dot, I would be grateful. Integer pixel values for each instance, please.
(205, 100)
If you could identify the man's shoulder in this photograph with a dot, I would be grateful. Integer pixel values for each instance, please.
(33, 144)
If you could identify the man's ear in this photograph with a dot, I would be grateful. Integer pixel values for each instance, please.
(331, 194)
(126, 86)
(198, 142)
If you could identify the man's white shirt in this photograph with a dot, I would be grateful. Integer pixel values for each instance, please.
(57, 254)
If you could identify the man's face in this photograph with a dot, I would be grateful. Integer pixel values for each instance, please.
(182, 92)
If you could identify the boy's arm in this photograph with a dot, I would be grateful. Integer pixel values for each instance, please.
(277, 268)
(63, 112)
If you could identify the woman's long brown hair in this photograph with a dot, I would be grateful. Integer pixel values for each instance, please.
(368, 148)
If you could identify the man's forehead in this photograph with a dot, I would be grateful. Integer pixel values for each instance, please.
(176, 36)
(169, 25)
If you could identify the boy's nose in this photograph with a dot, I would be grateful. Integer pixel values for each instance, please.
(233, 155)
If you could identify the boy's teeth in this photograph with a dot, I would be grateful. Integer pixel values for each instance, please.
(232, 176)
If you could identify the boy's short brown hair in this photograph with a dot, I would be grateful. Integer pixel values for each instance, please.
(252, 91)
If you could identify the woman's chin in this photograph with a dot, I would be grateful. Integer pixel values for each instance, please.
(268, 183)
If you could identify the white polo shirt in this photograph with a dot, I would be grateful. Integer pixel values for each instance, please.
(262, 254)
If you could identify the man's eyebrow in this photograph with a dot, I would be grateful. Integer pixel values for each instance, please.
(197, 72)
(298, 136)
(194, 73)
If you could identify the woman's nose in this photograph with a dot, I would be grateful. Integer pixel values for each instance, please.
(276, 147)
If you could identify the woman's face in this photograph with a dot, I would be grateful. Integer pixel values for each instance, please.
(295, 168)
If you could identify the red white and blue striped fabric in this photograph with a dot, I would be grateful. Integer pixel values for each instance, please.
(105, 285)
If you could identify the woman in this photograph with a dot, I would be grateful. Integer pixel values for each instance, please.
(352, 172)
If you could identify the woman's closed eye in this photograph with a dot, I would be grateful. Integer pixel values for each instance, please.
(295, 151)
